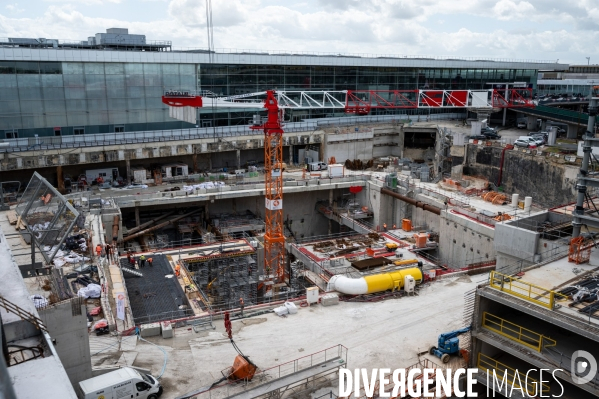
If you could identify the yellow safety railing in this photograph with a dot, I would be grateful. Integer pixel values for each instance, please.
(527, 291)
(516, 333)
(514, 378)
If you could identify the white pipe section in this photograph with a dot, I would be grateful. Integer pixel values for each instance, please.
(515, 198)
(347, 285)
(527, 204)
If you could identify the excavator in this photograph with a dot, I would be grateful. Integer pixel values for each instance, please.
(448, 345)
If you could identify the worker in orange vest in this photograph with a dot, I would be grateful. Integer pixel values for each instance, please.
(177, 270)
(150, 261)
(241, 305)
(384, 226)
(99, 250)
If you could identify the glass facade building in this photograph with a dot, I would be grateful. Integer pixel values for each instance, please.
(52, 92)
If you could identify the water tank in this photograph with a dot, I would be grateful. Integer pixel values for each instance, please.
(515, 199)
(527, 204)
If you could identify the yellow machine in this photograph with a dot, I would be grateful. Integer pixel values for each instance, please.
(391, 280)
(404, 262)
(391, 246)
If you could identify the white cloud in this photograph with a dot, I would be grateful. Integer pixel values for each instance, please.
(508, 9)
(517, 29)
(14, 8)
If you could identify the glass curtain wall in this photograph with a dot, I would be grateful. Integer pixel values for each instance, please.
(52, 98)
(61, 98)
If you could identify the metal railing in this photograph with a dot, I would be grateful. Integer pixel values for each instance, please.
(219, 132)
(510, 375)
(164, 316)
(335, 352)
(516, 333)
(527, 291)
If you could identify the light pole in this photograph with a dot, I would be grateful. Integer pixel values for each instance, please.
(588, 60)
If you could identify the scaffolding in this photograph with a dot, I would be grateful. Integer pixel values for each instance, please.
(226, 280)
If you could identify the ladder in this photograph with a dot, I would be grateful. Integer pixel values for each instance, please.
(22, 313)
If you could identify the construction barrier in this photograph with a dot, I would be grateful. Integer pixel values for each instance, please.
(521, 289)
(516, 333)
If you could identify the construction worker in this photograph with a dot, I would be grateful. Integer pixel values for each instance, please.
(177, 270)
(142, 261)
(394, 227)
(241, 305)
(132, 262)
(384, 226)
(99, 250)
(150, 261)
(100, 179)
(108, 250)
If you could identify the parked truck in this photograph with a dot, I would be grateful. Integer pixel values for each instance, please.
(336, 170)
(125, 382)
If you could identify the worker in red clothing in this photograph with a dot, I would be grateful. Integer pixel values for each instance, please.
(100, 179)
(150, 261)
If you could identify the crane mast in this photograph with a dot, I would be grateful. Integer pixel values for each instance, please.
(274, 240)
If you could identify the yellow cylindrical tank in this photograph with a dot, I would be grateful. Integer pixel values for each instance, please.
(405, 262)
(392, 280)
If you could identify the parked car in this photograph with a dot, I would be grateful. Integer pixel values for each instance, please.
(538, 140)
(488, 129)
(540, 137)
(491, 135)
(521, 125)
(478, 137)
(526, 141)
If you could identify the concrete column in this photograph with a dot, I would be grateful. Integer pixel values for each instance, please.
(137, 223)
(504, 116)
(331, 197)
(290, 155)
(238, 159)
(531, 123)
(209, 162)
(60, 178)
(543, 124)
(584, 168)
(128, 170)
(194, 158)
(572, 131)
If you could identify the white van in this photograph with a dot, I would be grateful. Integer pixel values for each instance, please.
(120, 384)
(314, 166)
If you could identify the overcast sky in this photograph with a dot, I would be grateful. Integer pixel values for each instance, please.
(567, 30)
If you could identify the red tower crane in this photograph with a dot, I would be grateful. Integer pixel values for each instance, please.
(359, 102)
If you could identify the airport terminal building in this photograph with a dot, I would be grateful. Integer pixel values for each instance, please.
(113, 82)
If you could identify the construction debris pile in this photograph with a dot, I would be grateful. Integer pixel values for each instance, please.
(494, 197)
(347, 245)
(584, 296)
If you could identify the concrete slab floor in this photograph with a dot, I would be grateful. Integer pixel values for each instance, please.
(384, 334)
